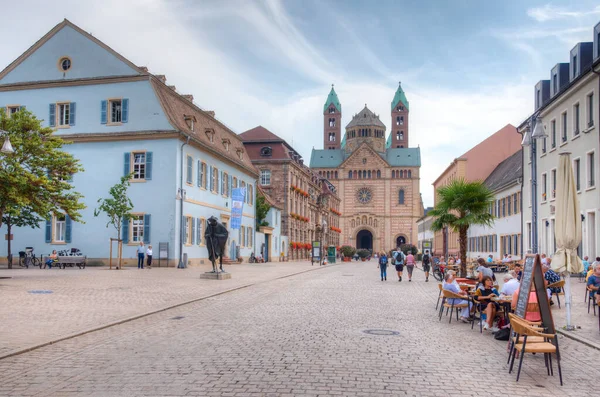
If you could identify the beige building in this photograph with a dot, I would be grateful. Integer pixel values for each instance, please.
(377, 179)
(474, 165)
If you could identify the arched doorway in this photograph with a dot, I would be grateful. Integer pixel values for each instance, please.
(400, 240)
(364, 240)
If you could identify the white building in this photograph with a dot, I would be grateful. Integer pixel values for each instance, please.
(504, 236)
(425, 235)
(270, 244)
(568, 106)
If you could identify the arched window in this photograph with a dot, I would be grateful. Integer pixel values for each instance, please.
(355, 176)
(335, 175)
(352, 223)
(401, 146)
(401, 120)
(401, 196)
(332, 110)
(364, 174)
(349, 174)
(409, 176)
(378, 174)
(328, 174)
(359, 174)
(398, 120)
(401, 135)
(369, 174)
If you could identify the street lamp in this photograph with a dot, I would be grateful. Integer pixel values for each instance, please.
(6, 147)
(323, 250)
(529, 139)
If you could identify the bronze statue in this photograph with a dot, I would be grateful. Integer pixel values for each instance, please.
(216, 238)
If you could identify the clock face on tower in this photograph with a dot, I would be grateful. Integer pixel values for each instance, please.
(364, 195)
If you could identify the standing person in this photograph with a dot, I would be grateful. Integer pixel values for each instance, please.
(410, 265)
(426, 264)
(141, 250)
(149, 257)
(383, 264)
(399, 259)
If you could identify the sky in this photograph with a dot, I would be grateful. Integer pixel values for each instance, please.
(468, 68)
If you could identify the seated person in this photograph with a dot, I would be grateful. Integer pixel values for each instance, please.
(484, 271)
(518, 271)
(484, 294)
(551, 278)
(51, 259)
(593, 283)
(505, 259)
(586, 265)
(510, 285)
(532, 313)
(490, 259)
(451, 285)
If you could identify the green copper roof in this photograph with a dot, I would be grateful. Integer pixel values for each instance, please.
(399, 97)
(388, 143)
(332, 98)
(344, 141)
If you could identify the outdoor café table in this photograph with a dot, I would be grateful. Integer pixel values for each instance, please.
(505, 302)
(466, 280)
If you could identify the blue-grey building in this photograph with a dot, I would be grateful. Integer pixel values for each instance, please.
(121, 120)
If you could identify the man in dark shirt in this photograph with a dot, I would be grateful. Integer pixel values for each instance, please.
(551, 278)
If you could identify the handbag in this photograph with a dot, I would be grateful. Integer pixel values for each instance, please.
(503, 334)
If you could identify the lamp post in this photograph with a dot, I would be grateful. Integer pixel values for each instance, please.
(6, 147)
(323, 230)
(530, 139)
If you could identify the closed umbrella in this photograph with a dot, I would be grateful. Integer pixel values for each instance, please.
(568, 229)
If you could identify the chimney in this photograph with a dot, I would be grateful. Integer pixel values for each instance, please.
(189, 97)
(143, 69)
(301, 161)
(211, 113)
(162, 78)
(173, 87)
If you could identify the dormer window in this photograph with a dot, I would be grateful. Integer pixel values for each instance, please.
(189, 120)
(226, 143)
(210, 134)
(555, 83)
(240, 154)
(266, 151)
(574, 65)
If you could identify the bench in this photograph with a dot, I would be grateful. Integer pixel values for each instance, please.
(64, 261)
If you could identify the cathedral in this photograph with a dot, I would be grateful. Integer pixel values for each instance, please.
(376, 178)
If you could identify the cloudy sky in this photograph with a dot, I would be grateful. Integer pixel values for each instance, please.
(468, 67)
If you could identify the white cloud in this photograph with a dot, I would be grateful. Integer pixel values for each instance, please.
(549, 12)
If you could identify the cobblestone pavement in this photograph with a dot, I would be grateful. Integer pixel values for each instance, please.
(301, 335)
(90, 298)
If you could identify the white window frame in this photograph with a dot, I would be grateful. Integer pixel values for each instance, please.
(63, 114)
(544, 188)
(590, 170)
(577, 173)
(59, 228)
(553, 177)
(109, 118)
(589, 120)
(225, 184)
(12, 109)
(265, 177)
(203, 178)
(136, 228)
(188, 227)
(201, 226)
(576, 120)
(138, 168)
(215, 179)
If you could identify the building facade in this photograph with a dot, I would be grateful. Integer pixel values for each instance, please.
(270, 243)
(474, 165)
(376, 179)
(504, 236)
(425, 234)
(123, 120)
(306, 198)
(568, 106)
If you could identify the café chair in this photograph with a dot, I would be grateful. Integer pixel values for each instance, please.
(559, 284)
(523, 332)
(439, 296)
(591, 299)
(452, 306)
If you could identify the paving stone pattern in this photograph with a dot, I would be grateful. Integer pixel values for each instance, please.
(296, 336)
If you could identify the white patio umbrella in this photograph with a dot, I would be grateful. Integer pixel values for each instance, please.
(568, 229)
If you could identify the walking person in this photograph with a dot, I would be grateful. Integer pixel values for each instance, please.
(410, 265)
(426, 264)
(399, 259)
(141, 250)
(149, 257)
(383, 264)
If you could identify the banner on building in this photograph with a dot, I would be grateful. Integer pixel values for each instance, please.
(238, 196)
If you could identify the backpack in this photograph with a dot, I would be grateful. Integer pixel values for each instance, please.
(399, 257)
(383, 260)
(426, 259)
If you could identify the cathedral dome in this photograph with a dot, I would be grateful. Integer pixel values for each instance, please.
(365, 118)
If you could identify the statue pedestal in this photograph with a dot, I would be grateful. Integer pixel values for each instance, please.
(216, 276)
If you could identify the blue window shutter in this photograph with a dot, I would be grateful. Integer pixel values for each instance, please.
(103, 110)
(193, 231)
(210, 178)
(198, 231)
(68, 228)
(199, 173)
(185, 229)
(148, 166)
(126, 166)
(125, 231)
(49, 231)
(188, 177)
(147, 229)
(72, 111)
(52, 116)
(125, 110)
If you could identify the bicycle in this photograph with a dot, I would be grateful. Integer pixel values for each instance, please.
(438, 272)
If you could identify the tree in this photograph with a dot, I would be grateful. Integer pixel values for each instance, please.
(118, 208)
(262, 209)
(35, 179)
(462, 204)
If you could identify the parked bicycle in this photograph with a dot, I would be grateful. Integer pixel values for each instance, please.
(438, 270)
(27, 258)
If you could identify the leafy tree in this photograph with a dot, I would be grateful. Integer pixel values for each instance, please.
(262, 208)
(460, 205)
(409, 249)
(118, 207)
(34, 180)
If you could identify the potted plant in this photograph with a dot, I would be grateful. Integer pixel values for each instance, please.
(363, 254)
(348, 252)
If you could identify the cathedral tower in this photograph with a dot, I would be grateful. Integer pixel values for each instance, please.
(332, 120)
(399, 132)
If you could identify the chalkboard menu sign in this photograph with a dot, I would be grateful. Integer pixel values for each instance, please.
(526, 279)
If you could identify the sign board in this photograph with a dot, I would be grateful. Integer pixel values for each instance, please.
(238, 196)
(427, 244)
(533, 275)
(316, 250)
(163, 252)
(6, 236)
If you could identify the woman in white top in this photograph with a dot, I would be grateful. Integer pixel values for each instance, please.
(149, 256)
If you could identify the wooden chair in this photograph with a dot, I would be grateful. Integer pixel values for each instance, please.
(451, 306)
(439, 296)
(535, 324)
(591, 299)
(525, 331)
(559, 284)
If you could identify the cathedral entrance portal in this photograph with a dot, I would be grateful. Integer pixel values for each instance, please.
(364, 240)
(401, 240)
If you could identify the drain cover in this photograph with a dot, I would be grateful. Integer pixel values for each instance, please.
(382, 332)
(178, 318)
(40, 291)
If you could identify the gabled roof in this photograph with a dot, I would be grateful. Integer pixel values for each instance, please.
(326, 158)
(403, 157)
(332, 98)
(399, 97)
(53, 32)
(259, 134)
(365, 118)
(268, 198)
(507, 173)
(406, 157)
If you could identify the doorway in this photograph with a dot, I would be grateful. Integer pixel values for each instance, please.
(364, 240)
(400, 241)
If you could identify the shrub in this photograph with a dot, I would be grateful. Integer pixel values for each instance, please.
(348, 251)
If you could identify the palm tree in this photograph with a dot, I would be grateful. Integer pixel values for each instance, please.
(460, 205)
